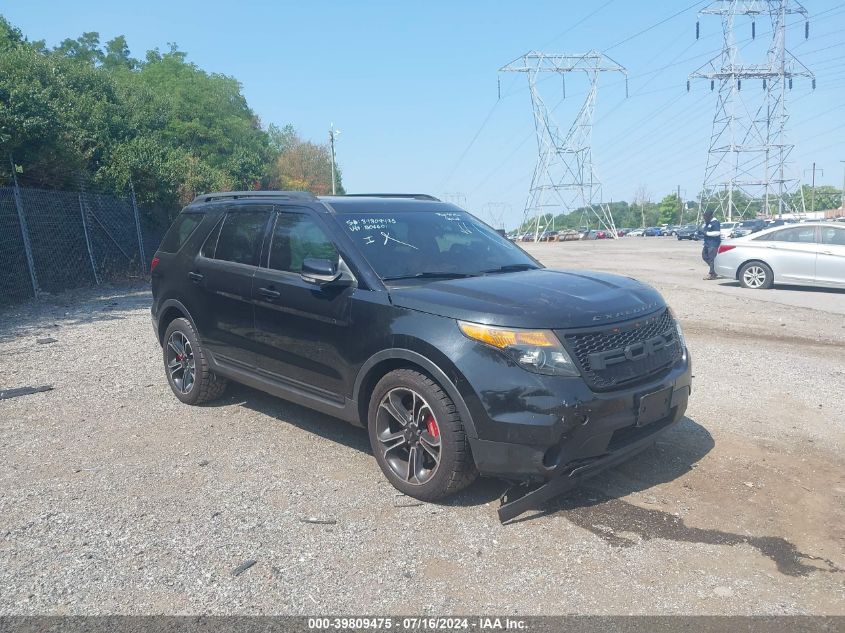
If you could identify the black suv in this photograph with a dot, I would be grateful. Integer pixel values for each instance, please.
(456, 350)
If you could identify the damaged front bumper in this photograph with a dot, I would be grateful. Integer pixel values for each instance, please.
(521, 498)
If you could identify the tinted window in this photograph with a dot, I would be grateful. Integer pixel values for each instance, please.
(240, 237)
(295, 237)
(179, 232)
(210, 245)
(805, 235)
(833, 235)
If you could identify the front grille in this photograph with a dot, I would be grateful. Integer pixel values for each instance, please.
(627, 353)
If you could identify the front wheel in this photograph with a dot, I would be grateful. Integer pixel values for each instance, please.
(418, 438)
(756, 275)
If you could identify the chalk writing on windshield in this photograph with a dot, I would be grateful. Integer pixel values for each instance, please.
(373, 239)
(369, 223)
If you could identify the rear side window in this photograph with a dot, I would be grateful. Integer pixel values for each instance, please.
(179, 232)
(296, 237)
(833, 235)
(240, 237)
(803, 235)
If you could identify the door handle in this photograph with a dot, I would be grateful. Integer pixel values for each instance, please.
(269, 293)
(194, 276)
(827, 252)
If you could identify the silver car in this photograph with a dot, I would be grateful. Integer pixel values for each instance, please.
(810, 254)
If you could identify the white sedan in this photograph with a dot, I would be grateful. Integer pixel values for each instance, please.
(727, 228)
(811, 254)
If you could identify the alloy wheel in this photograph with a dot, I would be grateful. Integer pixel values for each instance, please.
(181, 366)
(754, 276)
(408, 435)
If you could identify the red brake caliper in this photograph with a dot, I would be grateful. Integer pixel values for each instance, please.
(431, 427)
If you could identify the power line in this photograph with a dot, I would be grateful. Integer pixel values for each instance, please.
(654, 26)
(469, 146)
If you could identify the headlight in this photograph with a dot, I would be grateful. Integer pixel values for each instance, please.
(539, 351)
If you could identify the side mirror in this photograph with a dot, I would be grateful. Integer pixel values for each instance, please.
(319, 271)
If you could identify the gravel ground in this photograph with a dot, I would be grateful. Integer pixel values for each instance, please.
(117, 499)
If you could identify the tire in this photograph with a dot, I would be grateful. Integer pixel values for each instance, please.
(443, 464)
(756, 276)
(203, 385)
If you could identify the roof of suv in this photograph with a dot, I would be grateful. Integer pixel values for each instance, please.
(381, 204)
(350, 203)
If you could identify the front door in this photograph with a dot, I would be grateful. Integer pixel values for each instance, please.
(301, 329)
(794, 257)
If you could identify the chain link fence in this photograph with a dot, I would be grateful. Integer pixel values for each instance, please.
(53, 240)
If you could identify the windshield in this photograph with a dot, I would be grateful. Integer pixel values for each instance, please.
(430, 244)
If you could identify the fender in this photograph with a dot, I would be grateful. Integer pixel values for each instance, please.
(438, 374)
(173, 303)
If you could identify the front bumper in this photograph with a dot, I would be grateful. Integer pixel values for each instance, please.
(572, 426)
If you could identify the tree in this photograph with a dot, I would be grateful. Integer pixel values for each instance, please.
(282, 138)
(642, 196)
(304, 166)
(161, 123)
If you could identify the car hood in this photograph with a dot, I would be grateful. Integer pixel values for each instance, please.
(542, 298)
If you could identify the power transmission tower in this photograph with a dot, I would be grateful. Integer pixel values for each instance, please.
(495, 213)
(564, 178)
(749, 152)
(458, 198)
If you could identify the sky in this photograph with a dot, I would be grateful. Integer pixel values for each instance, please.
(413, 85)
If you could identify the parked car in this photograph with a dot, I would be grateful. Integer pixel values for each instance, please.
(747, 227)
(726, 228)
(688, 232)
(811, 254)
(653, 231)
(568, 235)
(548, 236)
(770, 224)
(456, 350)
(635, 233)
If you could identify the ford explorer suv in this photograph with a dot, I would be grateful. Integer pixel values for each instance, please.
(457, 351)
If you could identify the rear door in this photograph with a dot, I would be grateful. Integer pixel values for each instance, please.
(792, 253)
(830, 267)
(223, 271)
(301, 329)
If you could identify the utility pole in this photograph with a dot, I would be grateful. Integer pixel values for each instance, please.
(813, 187)
(842, 200)
(680, 208)
(333, 134)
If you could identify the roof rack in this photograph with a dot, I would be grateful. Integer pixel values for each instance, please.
(413, 196)
(235, 195)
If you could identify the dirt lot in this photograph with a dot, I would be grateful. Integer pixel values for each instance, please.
(115, 498)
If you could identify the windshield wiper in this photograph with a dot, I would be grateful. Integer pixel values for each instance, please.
(431, 275)
(510, 268)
